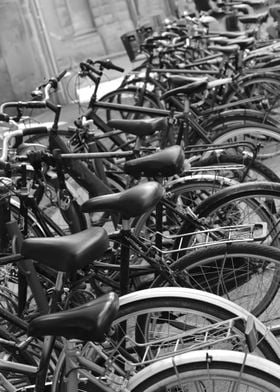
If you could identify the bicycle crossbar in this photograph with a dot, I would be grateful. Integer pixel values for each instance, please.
(93, 155)
(184, 71)
(133, 109)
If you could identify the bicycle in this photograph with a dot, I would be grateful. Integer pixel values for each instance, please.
(115, 137)
(83, 176)
(103, 203)
(92, 239)
(270, 218)
(248, 86)
(131, 205)
(94, 364)
(254, 132)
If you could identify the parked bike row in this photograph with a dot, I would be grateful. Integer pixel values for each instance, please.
(140, 245)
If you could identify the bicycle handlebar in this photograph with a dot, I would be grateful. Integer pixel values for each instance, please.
(42, 104)
(61, 75)
(107, 64)
(23, 105)
(88, 65)
(117, 68)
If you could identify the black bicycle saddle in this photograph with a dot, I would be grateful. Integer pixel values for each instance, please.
(129, 203)
(67, 253)
(164, 163)
(90, 321)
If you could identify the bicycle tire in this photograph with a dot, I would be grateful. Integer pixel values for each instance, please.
(262, 84)
(231, 117)
(198, 193)
(170, 305)
(204, 370)
(257, 169)
(186, 191)
(161, 302)
(259, 134)
(263, 199)
(126, 96)
(246, 273)
(34, 228)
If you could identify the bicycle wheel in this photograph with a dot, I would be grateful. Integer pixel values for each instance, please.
(231, 117)
(258, 85)
(212, 370)
(34, 228)
(247, 168)
(267, 137)
(157, 316)
(245, 273)
(248, 203)
(239, 205)
(182, 195)
(150, 322)
(126, 96)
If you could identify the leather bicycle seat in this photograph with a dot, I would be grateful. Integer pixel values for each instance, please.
(90, 321)
(129, 203)
(143, 127)
(164, 163)
(68, 253)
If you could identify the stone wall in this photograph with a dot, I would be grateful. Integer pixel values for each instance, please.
(19, 65)
(38, 37)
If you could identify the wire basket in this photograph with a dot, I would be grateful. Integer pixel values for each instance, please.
(131, 44)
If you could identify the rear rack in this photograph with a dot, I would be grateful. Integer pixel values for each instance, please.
(129, 354)
(219, 235)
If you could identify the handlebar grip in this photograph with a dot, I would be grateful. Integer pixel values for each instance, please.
(34, 131)
(4, 117)
(33, 105)
(117, 68)
(107, 64)
(61, 75)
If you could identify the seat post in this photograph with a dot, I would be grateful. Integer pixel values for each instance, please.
(57, 291)
(125, 252)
